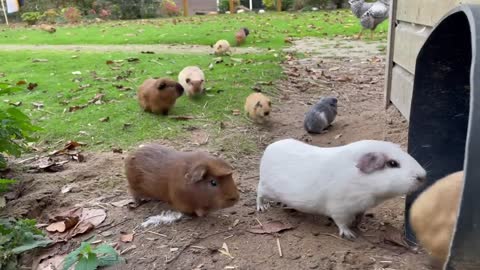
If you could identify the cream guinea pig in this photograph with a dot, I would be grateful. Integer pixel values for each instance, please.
(339, 182)
(192, 79)
(433, 215)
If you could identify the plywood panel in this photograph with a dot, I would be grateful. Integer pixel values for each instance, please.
(402, 89)
(427, 12)
(409, 39)
(390, 49)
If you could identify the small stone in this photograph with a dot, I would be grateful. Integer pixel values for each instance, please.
(295, 257)
(251, 212)
(214, 260)
(313, 265)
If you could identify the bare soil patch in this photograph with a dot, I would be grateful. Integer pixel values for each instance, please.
(194, 243)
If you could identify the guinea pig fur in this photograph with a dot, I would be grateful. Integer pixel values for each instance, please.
(433, 215)
(321, 115)
(241, 35)
(258, 107)
(338, 182)
(159, 95)
(192, 79)
(194, 183)
(221, 47)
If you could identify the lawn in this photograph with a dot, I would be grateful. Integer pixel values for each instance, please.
(60, 91)
(68, 81)
(267, 30)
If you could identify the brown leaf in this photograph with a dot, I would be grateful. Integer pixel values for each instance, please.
(126, 238)
(117, 150)
(32, 86)
(109, 62)
(64, 225)
(147, 52)
(122, 203)
(236, 112)
(132, 59)
(97, 99)
(122, 88)
(37, 105)
(77, 157)
(270, 227)
(394, 236)
(16, 104)
(76, 108)
(104, 119)
(89, 220)
(181, 117)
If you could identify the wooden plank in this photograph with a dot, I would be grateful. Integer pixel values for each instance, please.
(409, 40)
(427, 12)
(279, 5)
(185, 8)
(402, 89)
(232, 9)
(390, 50)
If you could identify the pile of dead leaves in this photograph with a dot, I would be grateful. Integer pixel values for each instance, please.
(70, 223)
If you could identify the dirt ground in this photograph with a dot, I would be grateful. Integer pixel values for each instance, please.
(355, 78)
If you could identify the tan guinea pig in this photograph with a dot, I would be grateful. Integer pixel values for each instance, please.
(433, 215)
(159, 95)
(47, 28)
(221, 47)
(258, 107)
(192, 79)
(194, 183)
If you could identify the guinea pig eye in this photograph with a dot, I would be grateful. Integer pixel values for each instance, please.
(213, 182)
(393, 164)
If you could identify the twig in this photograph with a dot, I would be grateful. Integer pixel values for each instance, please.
(159, 234)
(260, 223)
(120, 223)
(332, 235)
(279, 247)
(193, 242)
(251, 177)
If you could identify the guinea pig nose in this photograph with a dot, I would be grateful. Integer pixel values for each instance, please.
(421, 179)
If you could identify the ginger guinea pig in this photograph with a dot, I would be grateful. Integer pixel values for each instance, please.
(47, 28)
(339, 182)
(159, 95)
(433, 215)
(194, 183)
(192, 79)
(241, 35)
(258, 107)
(221, 47)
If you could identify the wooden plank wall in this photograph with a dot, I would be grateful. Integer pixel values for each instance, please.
(411, 23)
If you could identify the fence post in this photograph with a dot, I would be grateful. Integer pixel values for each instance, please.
(185, 8)
(279, 5)
(231, 7)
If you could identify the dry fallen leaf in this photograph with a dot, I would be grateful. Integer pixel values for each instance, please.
(39, 60)
(224, 250)
(64, 225)
(117, 150)
(16, 104)
(338, 136)
(89, 220)
(181, 117)
(104, 119)
(394, 236)
(236, 112)
(37, 105)
(32, 86)
(53, 263)
(334, 69)
(76, 108)
(122, 203)
(67, 188)
(270, 227)
(126, 238)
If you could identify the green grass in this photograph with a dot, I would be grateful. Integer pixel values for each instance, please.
(267, 30)
(230, 83)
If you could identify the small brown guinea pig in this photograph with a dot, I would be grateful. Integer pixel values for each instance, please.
(433, 215)
(194, 183)
(159, 95)
(258, 107)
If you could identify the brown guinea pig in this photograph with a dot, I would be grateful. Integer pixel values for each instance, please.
(159, 95)
(47, 28)
(433, 215)
(194, 183)
(258, 107)
(241, 36)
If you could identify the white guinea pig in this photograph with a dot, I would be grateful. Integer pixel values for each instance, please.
(339, 182)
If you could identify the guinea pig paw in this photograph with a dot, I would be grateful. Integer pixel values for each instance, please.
(263, 207)
(345, 232)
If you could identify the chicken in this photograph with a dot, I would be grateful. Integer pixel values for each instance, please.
(370, 14)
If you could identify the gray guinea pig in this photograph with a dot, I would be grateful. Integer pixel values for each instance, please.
(321, 115)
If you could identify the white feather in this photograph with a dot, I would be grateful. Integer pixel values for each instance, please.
(165, 218)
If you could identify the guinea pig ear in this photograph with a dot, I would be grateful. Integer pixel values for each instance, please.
(197, 173)
(270, 104)
(371, 162)
(179, 89)
(162, 85)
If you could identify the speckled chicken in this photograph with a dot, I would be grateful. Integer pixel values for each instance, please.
(370, 14)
